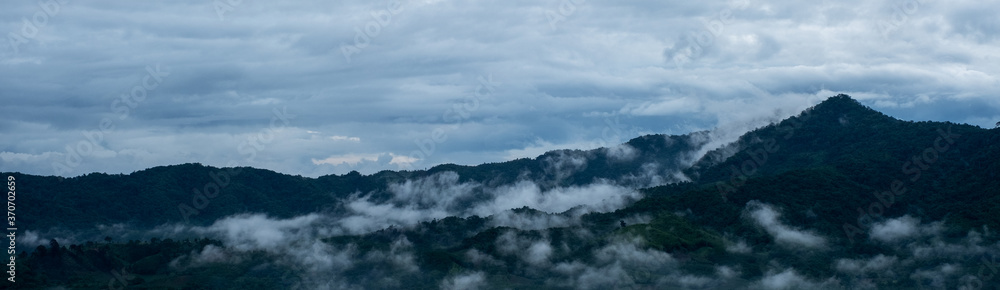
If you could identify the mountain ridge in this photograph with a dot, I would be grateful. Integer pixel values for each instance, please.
(656, 159)
(839, 196)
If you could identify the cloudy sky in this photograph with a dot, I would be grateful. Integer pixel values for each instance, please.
(321, 87)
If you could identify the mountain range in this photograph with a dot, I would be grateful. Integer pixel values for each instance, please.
(839, 196)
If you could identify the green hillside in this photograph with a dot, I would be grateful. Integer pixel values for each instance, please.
(840, 196)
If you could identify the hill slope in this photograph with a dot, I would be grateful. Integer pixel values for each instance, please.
(840, 196)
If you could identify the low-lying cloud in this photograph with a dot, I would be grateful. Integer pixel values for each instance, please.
(905, 227)
(442, 195)
(769, 219)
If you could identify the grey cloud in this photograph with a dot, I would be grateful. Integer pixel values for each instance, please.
(875, 264)
(612, 266)
(938, 276)
(603, 58)
(534, 250)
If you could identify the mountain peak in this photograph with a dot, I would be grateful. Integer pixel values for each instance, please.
(842, 107)
(842, 104)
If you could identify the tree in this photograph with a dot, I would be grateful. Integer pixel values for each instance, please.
(998, 124)
(40, 251)
(54, 247)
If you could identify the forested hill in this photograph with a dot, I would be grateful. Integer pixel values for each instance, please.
(837, 197)
(168, 194)
(839, 134)
(844, 134)
(939, 169)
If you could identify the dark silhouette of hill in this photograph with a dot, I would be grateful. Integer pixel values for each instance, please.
(171, 194)
(853, 151)
(838, 135)
(819, 181)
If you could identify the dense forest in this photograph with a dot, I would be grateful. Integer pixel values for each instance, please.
(838, 197)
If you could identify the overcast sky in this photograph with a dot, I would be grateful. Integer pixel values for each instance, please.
(321, 87)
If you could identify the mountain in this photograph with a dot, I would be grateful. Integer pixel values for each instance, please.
(864, 153)
(839, 196)
(169, 194)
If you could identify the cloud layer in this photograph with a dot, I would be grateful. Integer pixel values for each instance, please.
(430, 82)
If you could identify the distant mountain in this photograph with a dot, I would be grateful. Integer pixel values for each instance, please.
(838, 197)
(167, 194)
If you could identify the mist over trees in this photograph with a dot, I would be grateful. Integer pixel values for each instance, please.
(839, 196)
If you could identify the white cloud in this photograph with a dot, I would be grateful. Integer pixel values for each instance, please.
(466, 281)
(345, 138)
(769, 218)
(622, 152)
(480, 259)
(539, 253)
(442, 195)
(295, 242)
(790, 279)
(901, 228)
(666, 107)
(614, 266)
(356, 159)
(738, 247)
(594, 197)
